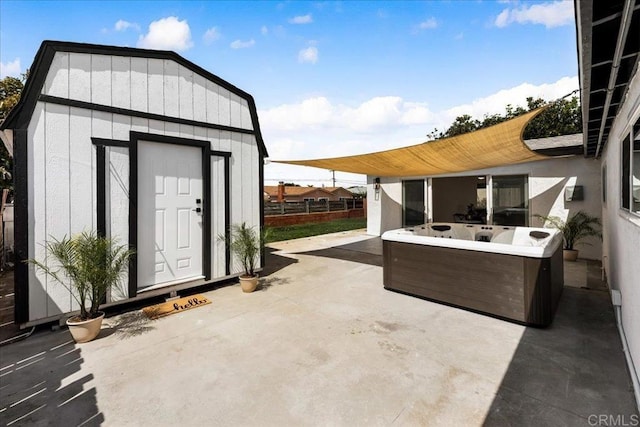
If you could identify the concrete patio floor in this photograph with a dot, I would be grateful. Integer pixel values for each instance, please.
(322, 343)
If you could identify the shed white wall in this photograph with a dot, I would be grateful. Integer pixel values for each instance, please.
(622, 228)
(547, 182)
(62, 158)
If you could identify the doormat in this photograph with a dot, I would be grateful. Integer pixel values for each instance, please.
(175, 306)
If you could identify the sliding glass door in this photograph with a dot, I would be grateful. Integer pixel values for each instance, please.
(413, 207)
(510, 200)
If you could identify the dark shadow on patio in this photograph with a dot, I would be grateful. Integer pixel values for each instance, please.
(127, 325)
(367, 251)
(40, 385)
(569, 371)
(275, 262)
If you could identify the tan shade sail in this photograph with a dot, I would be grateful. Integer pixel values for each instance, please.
(497, 145)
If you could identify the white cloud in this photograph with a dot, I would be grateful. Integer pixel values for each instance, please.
(309, 55)
(552, 14)
(167, 33)
(369, 116)
(264, 30)
(496, 103)
(11, 68)
(123, 25)
(211, 35)
(318, 128)
(239, 44)
(302, 19)
(429, 24)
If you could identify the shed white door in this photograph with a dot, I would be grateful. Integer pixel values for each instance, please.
(169, 227)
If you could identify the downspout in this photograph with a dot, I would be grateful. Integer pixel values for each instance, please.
(616, 299)
(627, 15)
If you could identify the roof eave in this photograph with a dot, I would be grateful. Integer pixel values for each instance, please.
(583, 14)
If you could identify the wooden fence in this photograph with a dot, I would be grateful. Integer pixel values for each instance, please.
(287, 208)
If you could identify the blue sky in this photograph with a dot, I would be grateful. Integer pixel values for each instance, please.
(332, 78)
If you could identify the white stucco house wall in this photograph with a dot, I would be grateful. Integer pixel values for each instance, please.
(547, 183)
(608, 58)
(140, 145)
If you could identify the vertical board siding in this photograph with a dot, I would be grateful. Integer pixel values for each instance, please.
(101, 79)
(118, 202)
(57, 194)
(62, 159)
(101, 125)
(187, 131)
(172, 129)
(121, 82)
(217, 217)
(156, 126)
(235, 110)
(213, 107)
(185, 93)
(139, 125)
(230, 142)
(147, 85)
(224, 107)
(254, 182)
(245, 115)
(245, 170)
(199, 98)
(57, 81)
(120, 127)
(214, 135)
(155, 85)
(171, 92)
(81, 188)
(36, 150)
(139, 85)
(80, 76)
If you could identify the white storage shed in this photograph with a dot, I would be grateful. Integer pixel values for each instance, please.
(141, 145)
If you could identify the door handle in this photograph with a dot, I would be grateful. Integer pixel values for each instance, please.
(197, 210)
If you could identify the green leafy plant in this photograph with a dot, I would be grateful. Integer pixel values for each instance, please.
(246, 244)
(576, 228)
(88, 265)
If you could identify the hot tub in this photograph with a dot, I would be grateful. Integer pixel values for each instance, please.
(515, 273)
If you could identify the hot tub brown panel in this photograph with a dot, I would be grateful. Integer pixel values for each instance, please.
(522, 289)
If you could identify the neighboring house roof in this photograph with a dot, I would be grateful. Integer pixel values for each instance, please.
(557, 145)
(294, 191)
(358, 189)
(20, 115)
(608, 52)
(336, 189)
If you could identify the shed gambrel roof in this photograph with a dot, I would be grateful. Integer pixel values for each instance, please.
(19, 117)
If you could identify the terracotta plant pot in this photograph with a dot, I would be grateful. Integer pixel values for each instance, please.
(85, 330)
(570, 254)
(248, 283)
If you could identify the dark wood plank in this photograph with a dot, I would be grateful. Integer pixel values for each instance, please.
(508, 286)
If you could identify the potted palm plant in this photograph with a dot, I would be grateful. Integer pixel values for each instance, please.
(576, 228)
(246, 244)
(88, 265)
